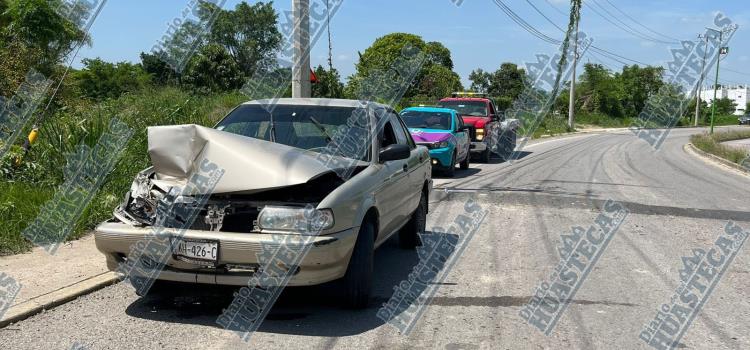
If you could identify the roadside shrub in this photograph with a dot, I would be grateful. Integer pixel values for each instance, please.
(713, 144)
(37, 177)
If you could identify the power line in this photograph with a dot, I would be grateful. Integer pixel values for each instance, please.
(638, 23)
(525, 25)
(607, 53)
(556, 9)
(628, 29)
(736, 71)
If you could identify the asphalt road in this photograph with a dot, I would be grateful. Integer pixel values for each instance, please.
(676, 201)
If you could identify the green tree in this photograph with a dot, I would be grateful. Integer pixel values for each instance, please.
(329, 83)
(638, 84)
(437, 53)
(599, 92)
(212, 69)
(36, 24)
(161, 72)
(507, 82)
(439, 81)
(248, 33)
(3, 17)
(32, 36)
(725, 106)
(101, 80)
(382, 54)
(480, 80)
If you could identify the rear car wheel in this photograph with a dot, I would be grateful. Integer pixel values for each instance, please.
(408, 237)
(484, 157)
(507, 145)
(465, 162)
(358, 277)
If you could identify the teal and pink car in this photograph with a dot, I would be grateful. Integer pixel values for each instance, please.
(443, 132)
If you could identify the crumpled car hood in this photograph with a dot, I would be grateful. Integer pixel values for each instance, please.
(250, 164)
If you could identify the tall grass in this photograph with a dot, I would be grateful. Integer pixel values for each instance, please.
(26, 189)
(713, 144)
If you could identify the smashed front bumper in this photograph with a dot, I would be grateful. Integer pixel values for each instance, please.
(327, 257)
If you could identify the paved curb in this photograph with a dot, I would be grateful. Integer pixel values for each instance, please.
(61, 296)
(690, 148)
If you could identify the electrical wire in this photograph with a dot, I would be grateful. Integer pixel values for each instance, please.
(610, 54)
(623, 26)
(736, 71)
(556, 9)
(638, 23)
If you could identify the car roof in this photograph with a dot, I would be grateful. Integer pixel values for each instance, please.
(480, 99)
(430, 109)
(332, 102)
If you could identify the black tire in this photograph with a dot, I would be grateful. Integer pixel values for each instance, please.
(484, 157)
(450, 171)
(465, 162)
(507, 145)
(358, 278)
(408, 237)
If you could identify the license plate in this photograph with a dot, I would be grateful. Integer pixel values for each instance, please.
(202, 252)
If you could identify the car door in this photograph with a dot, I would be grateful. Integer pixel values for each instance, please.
(416, 176)
(462, 137)
(390, 196)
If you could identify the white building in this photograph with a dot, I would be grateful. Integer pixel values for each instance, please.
(738, 94)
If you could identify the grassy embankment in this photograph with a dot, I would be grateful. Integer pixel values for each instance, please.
(25, 189)
(713, 144)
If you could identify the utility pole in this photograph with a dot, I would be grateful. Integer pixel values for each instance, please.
(301, 37)
(700, 82)
(716, 81)
(572, 102)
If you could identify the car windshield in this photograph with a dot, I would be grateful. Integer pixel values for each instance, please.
(472, 108)
(306, 127)
(427, 120)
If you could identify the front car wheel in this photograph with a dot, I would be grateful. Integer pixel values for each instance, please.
(358, 278)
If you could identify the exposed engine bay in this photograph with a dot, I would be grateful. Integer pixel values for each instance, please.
(258, 174)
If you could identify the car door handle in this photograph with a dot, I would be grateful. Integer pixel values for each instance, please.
(406, 168)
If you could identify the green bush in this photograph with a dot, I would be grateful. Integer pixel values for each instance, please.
(38, 176)
(713, 144)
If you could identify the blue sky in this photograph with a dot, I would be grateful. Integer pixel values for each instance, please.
(478, 33)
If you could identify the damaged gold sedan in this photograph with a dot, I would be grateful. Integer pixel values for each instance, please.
(364, 186)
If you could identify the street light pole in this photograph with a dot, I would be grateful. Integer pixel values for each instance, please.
(716, 81)
(571, 103)
(700, 83)
(301, 37)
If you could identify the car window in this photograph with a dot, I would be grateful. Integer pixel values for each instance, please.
(306, 127)
(427, 120)
(459, 122)
(470, 108)
(387, 137)
(398, 130)
(492, 108)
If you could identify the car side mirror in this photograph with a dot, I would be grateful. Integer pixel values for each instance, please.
(494, 117)
(394, 152)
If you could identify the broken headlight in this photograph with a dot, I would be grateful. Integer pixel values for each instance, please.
(295, 219)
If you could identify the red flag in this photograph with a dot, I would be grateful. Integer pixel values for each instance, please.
(313, 77)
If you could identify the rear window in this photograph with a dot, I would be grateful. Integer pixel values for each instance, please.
(470, 108)
(427, 120)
